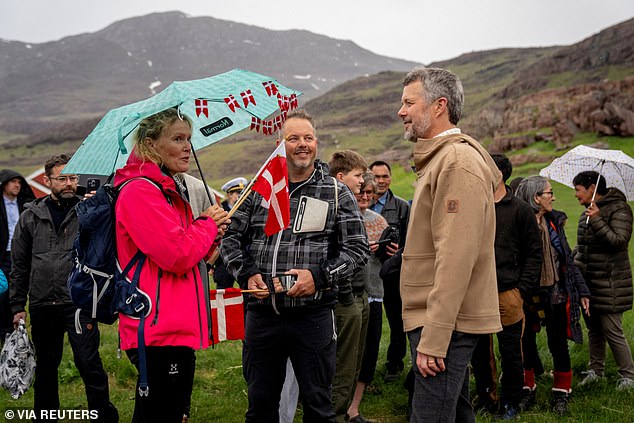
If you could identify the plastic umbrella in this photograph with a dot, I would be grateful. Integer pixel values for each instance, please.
(219, 106)
(616, 167)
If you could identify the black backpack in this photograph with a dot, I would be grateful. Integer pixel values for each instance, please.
(91, 283)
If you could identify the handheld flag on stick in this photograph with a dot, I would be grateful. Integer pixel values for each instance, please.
(271, 182)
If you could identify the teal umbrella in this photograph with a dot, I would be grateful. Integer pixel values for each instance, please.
(219, 106)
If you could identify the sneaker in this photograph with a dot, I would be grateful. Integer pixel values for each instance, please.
(590, 377)
(528, 399)
(560, 403)
(624, 384)
(510, 413)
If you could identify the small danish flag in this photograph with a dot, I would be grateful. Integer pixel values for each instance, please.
(202, 107)
(293, 101)
(255, 124)
(247, 98)
(232, 103)
(270, 87)
(267, 127)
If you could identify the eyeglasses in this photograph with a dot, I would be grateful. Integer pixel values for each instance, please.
(367, 193)
(63, 179)
(548, 192)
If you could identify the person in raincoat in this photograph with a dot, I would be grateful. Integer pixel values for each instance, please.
(153, 217)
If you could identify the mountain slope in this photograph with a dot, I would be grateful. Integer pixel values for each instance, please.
(88, 74)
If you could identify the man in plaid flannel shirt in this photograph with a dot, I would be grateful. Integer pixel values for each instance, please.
(325, 242)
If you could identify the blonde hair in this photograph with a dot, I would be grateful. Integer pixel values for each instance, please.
(152, 127)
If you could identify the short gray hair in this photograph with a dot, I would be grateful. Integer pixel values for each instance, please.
(439, 83)
(529, 188)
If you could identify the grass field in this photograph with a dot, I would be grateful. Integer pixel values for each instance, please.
(220, 391)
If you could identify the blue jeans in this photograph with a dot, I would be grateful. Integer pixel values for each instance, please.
(444, 397)
(307, 337)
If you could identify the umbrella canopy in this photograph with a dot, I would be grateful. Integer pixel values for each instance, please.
(219, 106)
(616, 167)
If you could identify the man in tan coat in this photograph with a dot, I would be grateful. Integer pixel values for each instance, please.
(448, 279)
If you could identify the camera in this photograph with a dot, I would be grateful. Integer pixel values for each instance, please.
(92, 184)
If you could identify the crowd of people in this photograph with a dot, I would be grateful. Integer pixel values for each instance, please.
(468, 257)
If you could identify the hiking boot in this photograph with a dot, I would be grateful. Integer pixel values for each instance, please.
(560, 403)
(528, 399)
(510, 413)
(624, 384)
(590, 377)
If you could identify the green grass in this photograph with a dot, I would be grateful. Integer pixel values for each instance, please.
(220, 391)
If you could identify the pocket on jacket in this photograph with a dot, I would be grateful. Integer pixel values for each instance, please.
(418, 269)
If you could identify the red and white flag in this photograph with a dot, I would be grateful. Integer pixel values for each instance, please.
(271, 182)
(227, 314)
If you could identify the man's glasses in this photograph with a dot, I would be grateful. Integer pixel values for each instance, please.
(64, 179)
(551, 193)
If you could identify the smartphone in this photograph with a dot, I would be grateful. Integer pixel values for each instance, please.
(92, 184)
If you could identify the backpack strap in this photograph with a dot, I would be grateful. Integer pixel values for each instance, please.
(334, 180)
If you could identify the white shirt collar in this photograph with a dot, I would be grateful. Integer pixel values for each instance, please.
(449, 132)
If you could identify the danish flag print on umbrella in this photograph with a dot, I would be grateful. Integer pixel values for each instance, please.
(271, 182)
(219, 106)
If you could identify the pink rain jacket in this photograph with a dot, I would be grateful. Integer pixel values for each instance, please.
(172, 242)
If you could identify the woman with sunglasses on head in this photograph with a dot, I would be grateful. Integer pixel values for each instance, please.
(563, 290)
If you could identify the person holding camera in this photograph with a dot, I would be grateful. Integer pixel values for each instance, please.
(324, 245)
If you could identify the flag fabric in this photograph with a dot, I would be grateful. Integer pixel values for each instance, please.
(271, 182)
(227, 314)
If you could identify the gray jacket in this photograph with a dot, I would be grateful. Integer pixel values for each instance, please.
(41, 257)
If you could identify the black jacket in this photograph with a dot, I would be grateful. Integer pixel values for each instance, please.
(602, 254)
(41, 257)
(518, 245)
(25, 195)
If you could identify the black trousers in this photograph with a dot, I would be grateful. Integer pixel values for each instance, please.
(48, 326)
(169, 371)
(556, 331)
(307, 337)
(392, 303)
(485, 371)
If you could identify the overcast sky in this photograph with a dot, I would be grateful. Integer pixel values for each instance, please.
(417, 30)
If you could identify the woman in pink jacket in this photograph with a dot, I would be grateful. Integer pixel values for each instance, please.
(152, 216)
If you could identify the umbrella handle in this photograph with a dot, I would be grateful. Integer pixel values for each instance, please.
(202, 176)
